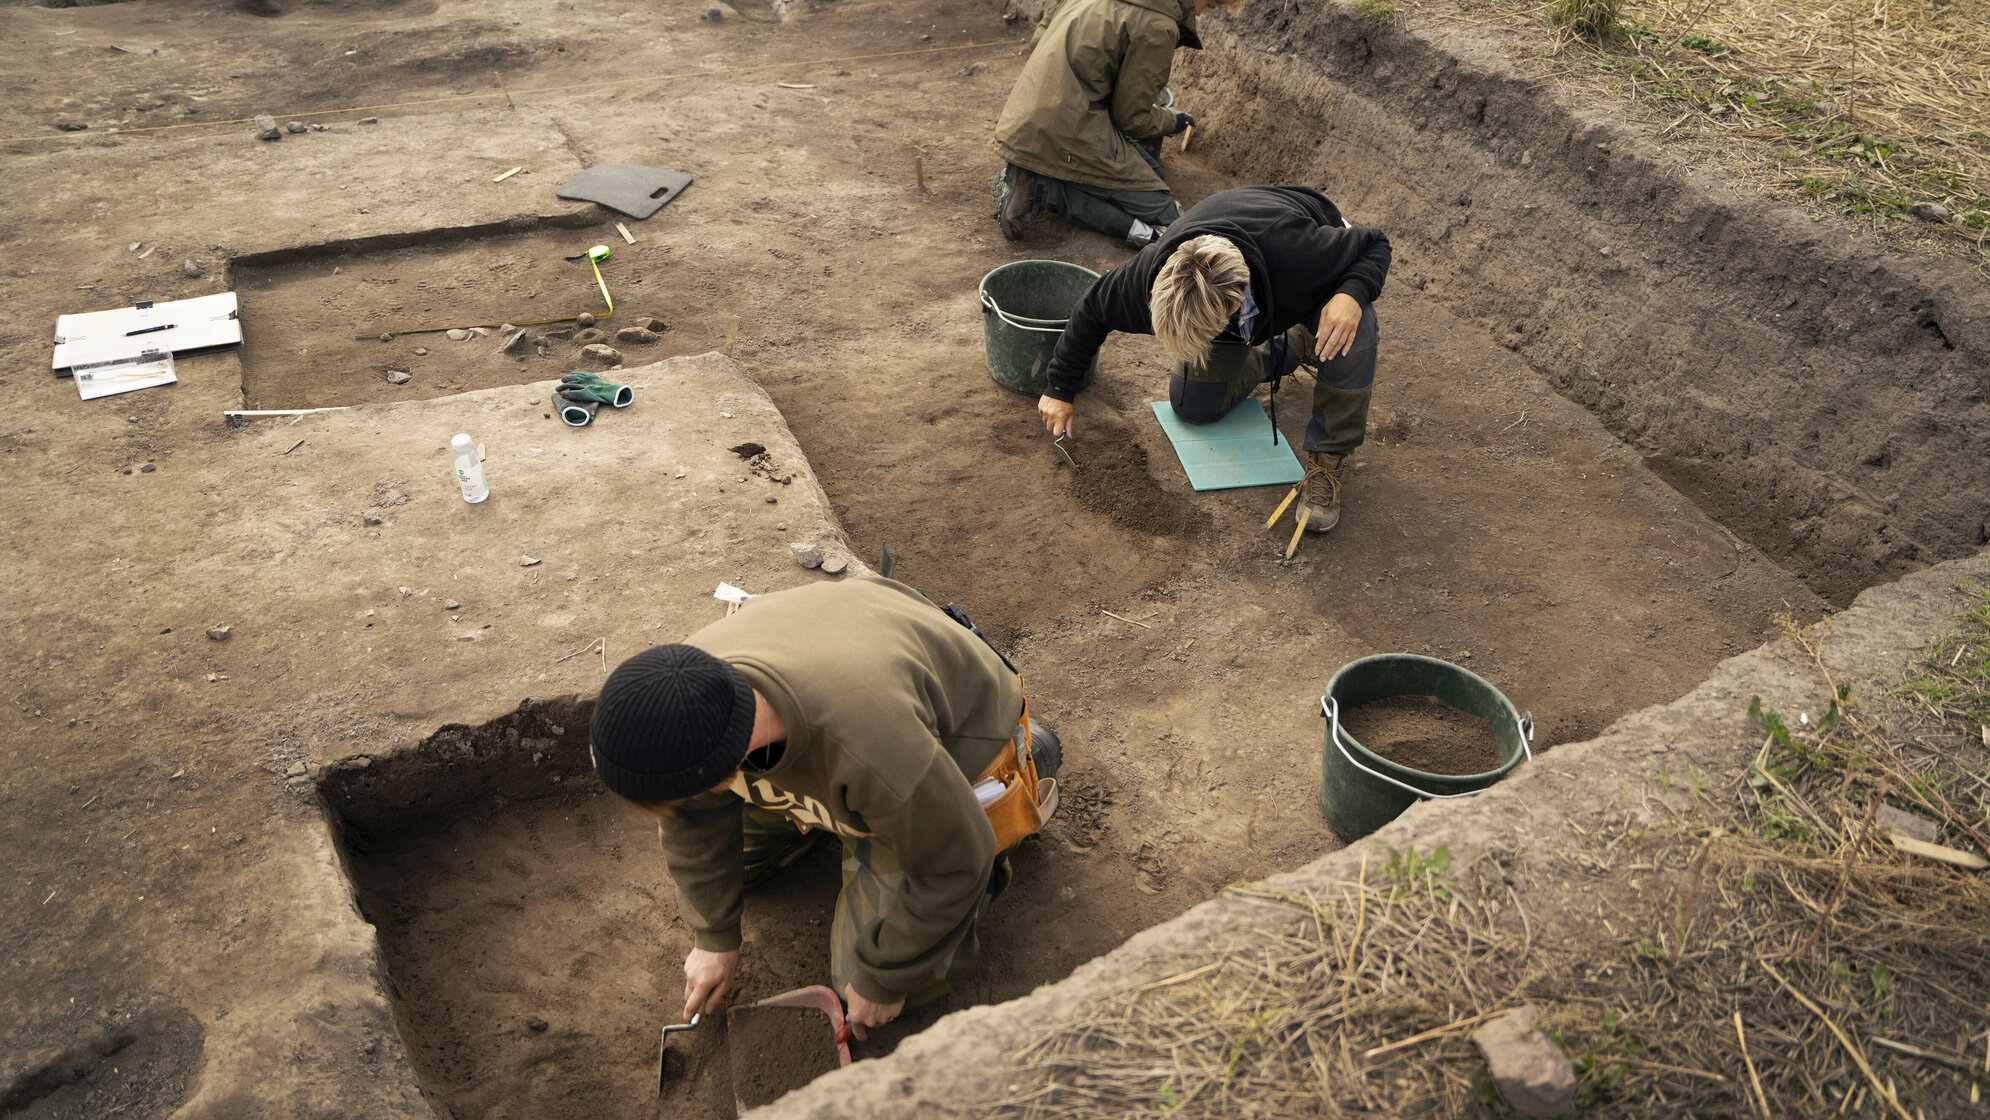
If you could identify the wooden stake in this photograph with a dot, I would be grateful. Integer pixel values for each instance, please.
(624, 231)
(1282, 506)
(1297, 530)
(509, 174)
(1187, 133)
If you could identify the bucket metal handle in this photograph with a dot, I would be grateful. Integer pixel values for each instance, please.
(988, 304)
(1330, 708)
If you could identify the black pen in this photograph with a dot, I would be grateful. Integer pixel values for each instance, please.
(149, 330)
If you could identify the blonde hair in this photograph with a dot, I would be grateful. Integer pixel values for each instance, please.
(1199, 287)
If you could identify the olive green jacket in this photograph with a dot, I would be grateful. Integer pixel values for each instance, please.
(1089, 85)
(892, 709)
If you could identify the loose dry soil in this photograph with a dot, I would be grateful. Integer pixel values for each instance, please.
(776, 1050)
(168, 863)
(1424, 733)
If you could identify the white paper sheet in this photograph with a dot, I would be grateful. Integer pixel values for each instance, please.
(105, 379)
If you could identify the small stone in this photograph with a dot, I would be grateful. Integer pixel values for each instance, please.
(399, 377)
(584, 319)
(420, 351)
(219, 633)
(807, 555)
(386, 338)
(714, 15)
(582, 338)
(543, 347)
(1931, 212)
(177, 774)
(370, 517)
(636, 335)
(527, 561)
(1527, 159)
(534, 1023)
(517, 344)
(70, 126)
(294, 127)
(147, 469)
(652, 323)
(1531, 1072)
(1605, 250)
(507, 328)
(595, 352)
(322, 128)
(266, 128)
(297, 770)
(1905, 824)
(369, 120)
(451, 605)
(192, 268)
(835, 565)
(457, 335)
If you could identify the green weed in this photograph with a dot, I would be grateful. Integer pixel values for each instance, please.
(1381, 11)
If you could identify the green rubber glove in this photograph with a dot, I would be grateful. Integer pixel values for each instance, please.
(594, 387)
(577, 411)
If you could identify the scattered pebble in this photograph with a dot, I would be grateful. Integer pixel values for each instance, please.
(370, 517)
(652, 323)
(320, 128)
(399, 377)
(369, 120)
(714, 15)
(70, 126)
(219, 633)
(636, 335)
(147, 469)
(543, 347)
(517, 344)
(266, 128)
(584, 319)
(527, 561)
(586, 336)
(479, 332)
(1905, 824)
(386, 338)
(534, 1023)
(294, 127)
(781, 528)
(1530, 1071)
(1527, 159)
(834, 565)
(596, 352)
(807, 555)
(451, 605)
(296, 770)
(192, 268)
(1932, 212)
(456, 335)
(420, 350)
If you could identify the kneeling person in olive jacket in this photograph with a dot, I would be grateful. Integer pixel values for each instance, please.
(855, 709)
(1246, 287)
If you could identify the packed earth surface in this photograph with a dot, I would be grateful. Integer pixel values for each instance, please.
(298, 813)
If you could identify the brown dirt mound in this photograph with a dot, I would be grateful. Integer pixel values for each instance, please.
(1424, 733)
(776, 1050)
(1112, 480)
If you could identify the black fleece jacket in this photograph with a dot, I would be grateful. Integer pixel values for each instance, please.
(1299, 255)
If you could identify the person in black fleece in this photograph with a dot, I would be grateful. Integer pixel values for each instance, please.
(1245, 287)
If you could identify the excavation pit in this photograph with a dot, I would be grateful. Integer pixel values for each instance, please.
(530, 941)
(359, 325)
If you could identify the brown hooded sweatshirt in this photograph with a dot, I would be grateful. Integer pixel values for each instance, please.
(891, 709)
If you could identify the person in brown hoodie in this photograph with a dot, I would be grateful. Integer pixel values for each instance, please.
(854, 708)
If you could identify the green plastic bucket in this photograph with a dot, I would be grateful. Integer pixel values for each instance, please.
(1024, 307)
(1360, 791)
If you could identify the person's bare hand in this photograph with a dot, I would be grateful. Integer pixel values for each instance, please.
(1339, 320)
(707, 978)
(1057, 414)
(863, 1013)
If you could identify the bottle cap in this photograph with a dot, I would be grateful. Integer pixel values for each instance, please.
(462, 444)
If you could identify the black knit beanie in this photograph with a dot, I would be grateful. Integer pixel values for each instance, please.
(670, 722)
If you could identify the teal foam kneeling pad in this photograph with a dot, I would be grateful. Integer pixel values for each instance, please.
(1234, 451)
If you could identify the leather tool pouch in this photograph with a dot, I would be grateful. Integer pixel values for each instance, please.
(1026, 801)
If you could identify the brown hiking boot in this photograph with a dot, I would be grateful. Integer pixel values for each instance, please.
(1015, 200)
(1321, 501)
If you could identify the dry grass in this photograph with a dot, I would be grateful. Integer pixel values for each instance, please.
(1772, 955)
(1875, 107)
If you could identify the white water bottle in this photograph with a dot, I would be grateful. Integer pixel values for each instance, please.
(469, 472)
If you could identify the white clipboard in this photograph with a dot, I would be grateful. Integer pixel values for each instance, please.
(180, 326)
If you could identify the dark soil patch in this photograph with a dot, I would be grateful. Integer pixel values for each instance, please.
(1112, 480)
(1424, 733)
(776, 1050)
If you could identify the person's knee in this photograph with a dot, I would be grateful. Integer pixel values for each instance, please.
(1195, 402)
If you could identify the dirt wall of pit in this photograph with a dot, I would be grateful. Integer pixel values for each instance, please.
(1729, 339)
